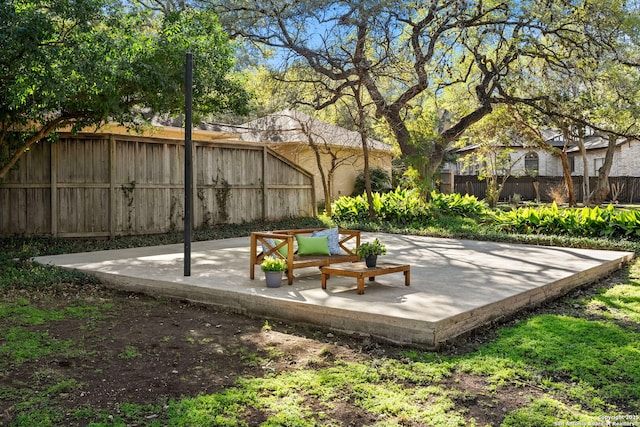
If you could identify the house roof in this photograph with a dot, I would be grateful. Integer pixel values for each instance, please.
(555, 138)
(168, 121)
(596, 142)
(288, 126)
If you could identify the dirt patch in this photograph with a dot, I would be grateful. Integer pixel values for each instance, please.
(146, 351)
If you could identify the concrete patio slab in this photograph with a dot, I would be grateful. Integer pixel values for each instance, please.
(456, 285)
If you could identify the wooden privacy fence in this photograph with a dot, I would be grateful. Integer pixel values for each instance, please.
(109, 184)
(524, 187)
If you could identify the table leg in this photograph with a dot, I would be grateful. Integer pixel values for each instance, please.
(360, 285)
(323, 277)
(407, 277)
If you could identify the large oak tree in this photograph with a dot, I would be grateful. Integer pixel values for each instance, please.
(410, 53)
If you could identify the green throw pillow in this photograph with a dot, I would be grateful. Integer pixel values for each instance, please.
(272, 243)
(334, 239)
(313, 245)
(283, 250)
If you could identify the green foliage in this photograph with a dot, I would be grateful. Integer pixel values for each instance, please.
(404, 206)
(219, 409)
(273, 264)
(348, 208)
(129, 352)
(545, 412)
(23, 312)
(596, 357)
(215, 89)
(457, 204)
(40, 417)
(20, 345)
(619, 303)
(29, 275)
(26, 248)
(84, 62)
(399, 205)
(20, 342)
(371, 248)
(380, 182)
(594, 222)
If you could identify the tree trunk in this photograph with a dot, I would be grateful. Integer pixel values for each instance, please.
(585, 171)
(329, 193)
(42, 133)
(362, 130)
(568, 182)
(566, 171)
(492, 192)
(365, 152)
(323, 178)
(602, 189)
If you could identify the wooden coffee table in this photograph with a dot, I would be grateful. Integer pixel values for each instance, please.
(360, 270)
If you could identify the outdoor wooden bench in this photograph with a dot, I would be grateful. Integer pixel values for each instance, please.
(272, 243)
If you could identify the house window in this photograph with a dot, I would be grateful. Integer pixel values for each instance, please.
(572, 163)
(531, 163)
(597, 164)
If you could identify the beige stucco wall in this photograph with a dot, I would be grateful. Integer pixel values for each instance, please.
(344, 175)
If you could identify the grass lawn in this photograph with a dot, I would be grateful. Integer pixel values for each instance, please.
(76, 353)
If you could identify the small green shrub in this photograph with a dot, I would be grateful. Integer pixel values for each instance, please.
(400, 205)
(350, 209)
(380, 182)
(371, 248)
(457, 204)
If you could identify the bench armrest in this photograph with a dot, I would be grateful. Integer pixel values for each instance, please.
(265, 242)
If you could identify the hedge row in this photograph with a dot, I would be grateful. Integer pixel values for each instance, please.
(408, 206)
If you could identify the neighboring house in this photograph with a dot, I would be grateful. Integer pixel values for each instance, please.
(291, 134)
(626, 157)
(535, 161)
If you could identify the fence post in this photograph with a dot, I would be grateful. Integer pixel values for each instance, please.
(54, 189)
(112, 186)
(264, 183)
(188, 164)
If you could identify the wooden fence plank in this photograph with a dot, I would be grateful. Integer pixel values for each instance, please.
(523, 186)
(108, 185)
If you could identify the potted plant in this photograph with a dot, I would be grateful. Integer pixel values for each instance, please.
(273, 269)
(370, 251)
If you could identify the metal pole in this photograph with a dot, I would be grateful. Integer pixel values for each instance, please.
(188, 163)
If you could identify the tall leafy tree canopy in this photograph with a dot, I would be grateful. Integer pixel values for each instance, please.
(82, 62)
(411, 54)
